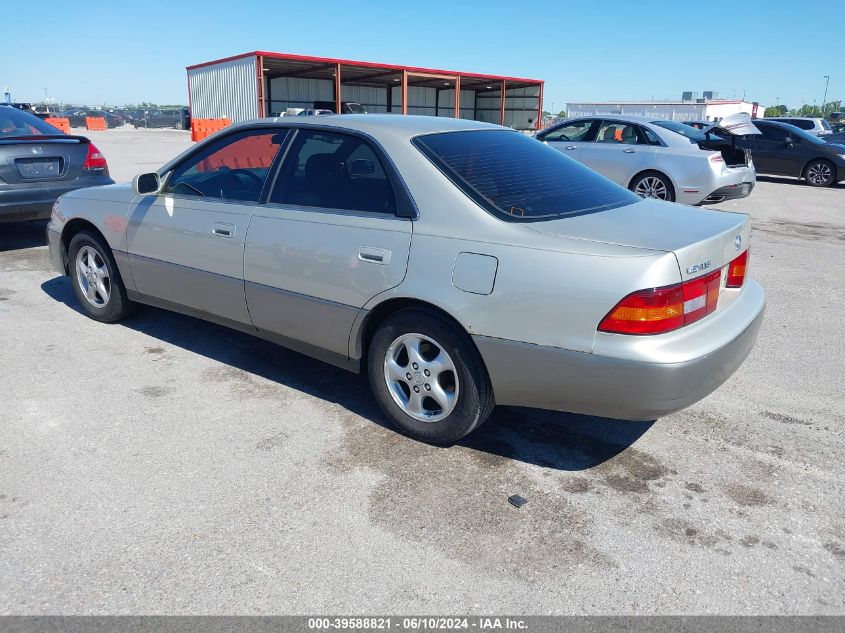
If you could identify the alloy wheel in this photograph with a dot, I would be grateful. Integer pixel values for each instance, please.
(92, 274)
(651, 187)
(421, 377)
(819, 173)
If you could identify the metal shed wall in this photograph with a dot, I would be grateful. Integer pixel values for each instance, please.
(225, 89)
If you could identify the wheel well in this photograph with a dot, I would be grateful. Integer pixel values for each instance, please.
(73, 227)
(384, 310)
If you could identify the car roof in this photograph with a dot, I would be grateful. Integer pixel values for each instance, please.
(804, 118)
(376, 124)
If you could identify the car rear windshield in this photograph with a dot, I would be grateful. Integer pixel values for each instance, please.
(693, 134)
(519, 178)
(14, 122)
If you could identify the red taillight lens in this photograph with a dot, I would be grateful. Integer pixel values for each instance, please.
(736, 271)
(647, 312)
(660, 310)
(94, 159)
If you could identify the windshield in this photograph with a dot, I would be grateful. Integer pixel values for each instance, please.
(14, 122)
(826, 125)
(519, 178)
(693, 134)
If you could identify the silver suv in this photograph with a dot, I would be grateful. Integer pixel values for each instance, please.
(814, 125)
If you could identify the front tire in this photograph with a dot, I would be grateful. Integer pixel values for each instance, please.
(95, 279)
(428, 377)
(820, 173)
(653, 184)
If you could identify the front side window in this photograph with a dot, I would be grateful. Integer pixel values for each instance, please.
(233, 168)
(518, 178)
(333, 171)
(574, 131)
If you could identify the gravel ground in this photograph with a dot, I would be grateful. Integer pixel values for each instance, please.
(166, 465)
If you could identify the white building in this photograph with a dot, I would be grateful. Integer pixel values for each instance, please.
(698, 110)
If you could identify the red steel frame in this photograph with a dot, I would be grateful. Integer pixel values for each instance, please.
(407, 71)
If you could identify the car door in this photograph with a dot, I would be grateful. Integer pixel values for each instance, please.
(569, 137)
(768, 149)
(618, 151)
(186, 244)
(333, 233)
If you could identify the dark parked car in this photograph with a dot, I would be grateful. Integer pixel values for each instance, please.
(176, 119)
(785, 150)
(838, 138)
(346, 107)
(38, 163)
(77, 117)
(698, 125)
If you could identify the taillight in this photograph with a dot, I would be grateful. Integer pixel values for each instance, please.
(94, 160)
(716, 158)
(659, 310)
(736, 271)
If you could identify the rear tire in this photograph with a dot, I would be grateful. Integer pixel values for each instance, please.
(428, 377)
(96, 280)
(653, 184)
(820, 173)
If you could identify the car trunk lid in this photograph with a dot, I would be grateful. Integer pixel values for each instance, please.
(701, 240)
(40, 158)
(721, 137)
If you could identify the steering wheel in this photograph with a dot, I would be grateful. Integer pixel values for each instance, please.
(237, 173)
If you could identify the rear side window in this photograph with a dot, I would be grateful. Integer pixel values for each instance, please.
(771, 132)
(333, 171)
(14, 122)
(804, 124)
(520, 178)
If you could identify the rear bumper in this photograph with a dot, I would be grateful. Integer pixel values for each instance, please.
(731, 192)
(35, 201)
(628, 377)
(736, 181)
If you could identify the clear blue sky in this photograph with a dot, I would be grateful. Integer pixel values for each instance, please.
(615, 50)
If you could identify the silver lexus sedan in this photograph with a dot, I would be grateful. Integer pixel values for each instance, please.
(460, 264)
(668, 160)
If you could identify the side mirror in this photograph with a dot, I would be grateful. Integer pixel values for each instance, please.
(146, 184)
(789, 142)
(362, 167)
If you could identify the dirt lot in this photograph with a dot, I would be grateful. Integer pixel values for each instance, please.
(168, 465)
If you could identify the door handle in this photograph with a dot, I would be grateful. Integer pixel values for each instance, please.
(629, 150)
(570, 147)
(374, 255)
(223, 230)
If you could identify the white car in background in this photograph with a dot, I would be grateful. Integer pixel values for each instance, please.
(661, 159)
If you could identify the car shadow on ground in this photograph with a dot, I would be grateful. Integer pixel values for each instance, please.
(786, 180)
(20, 235)
(562, 441)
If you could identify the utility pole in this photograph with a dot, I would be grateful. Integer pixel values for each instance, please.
(827, 81)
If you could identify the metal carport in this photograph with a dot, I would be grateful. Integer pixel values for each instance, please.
(259, 84)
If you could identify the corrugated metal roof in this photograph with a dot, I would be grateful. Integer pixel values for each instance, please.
(362, 64)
